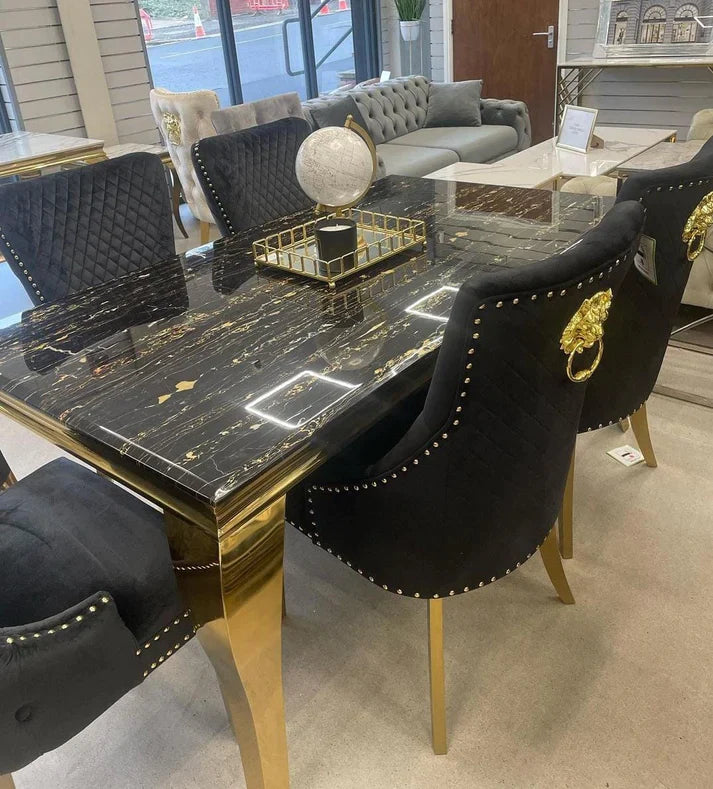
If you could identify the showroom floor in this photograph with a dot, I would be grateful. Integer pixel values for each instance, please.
(612, 692)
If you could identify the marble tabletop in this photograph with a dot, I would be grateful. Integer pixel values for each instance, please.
(541, 165)
(24, 146)
(665, 154)
(204, 372)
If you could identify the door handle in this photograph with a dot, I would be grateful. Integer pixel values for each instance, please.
(550, 33)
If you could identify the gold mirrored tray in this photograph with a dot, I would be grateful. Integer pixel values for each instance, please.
(380, 237)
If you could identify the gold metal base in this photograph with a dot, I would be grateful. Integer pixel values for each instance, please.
(553, 564)
(640, 425)
(437, 676)
(566, 515)
(235, 594)
(205, 232)
(6, 782)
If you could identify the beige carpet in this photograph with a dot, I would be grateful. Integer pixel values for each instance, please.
(613, 692)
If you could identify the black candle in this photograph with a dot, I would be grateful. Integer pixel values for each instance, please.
(337, 244)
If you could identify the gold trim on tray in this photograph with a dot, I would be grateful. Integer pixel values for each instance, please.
(380, 237)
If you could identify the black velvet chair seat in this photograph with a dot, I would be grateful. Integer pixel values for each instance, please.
(89, 605)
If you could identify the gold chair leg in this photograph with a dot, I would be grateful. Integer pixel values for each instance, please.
(437, 676)
(640, 424)
(205, 232)
(553, 564)
(624, 425)
(6, 782)
(176, 201)
(566, 516)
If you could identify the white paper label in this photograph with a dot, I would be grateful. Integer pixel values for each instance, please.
(626, 455)
(645, 258)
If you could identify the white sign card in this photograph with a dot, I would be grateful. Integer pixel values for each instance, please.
(626, 455)
(577, 128)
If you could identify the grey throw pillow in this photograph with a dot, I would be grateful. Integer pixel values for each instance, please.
(334, 113)
(454, 103)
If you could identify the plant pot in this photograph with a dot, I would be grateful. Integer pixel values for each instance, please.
(410, 31)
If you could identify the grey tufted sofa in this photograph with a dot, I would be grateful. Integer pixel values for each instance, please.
(395, 114)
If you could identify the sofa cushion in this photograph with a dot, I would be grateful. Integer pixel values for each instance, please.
(454, 103)
(414, 161)
(470, 143)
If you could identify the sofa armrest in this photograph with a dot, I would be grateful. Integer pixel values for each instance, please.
(507, 112)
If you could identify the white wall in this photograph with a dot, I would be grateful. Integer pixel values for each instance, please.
(41, 73)
(654, 97)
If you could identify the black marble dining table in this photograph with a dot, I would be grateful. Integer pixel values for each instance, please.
(211, 386)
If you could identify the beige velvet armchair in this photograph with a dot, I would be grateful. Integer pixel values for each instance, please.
(185, 118)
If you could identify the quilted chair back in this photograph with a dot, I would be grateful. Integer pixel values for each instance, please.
(641, 322)
(185, 118)
(249, 176)
(257, 113)
(71, 230)
(475, 484)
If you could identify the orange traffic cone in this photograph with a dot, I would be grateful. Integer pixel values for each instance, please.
(200, 30)
(324, 9)
(343, 5)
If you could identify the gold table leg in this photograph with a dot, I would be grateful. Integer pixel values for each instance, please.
(176, 201)
(640, 425)
(205, 232)
(566, 515)
(437, 677)
(237, 601)
(553, 564)
(6, 782)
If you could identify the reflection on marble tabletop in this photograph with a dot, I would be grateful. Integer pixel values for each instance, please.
(206, 371)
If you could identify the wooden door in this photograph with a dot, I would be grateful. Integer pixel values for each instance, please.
(493, 41)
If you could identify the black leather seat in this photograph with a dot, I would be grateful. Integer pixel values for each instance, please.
(642, 319)
(249, 176)
(70, 230)
(470, 487)
(89, 605)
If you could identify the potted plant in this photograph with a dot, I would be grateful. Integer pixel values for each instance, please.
(410, 12)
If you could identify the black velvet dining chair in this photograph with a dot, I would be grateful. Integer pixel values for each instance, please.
(467, 488)
(642, 319)
(249, 176)
(67, 231)
(89, 606)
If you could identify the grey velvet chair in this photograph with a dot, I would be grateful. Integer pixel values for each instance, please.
(89, 606)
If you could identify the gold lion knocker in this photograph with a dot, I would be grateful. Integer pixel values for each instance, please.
(172, 125)
(697, 226)
(585, 329)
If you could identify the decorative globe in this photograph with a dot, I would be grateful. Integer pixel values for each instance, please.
(334, 167)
